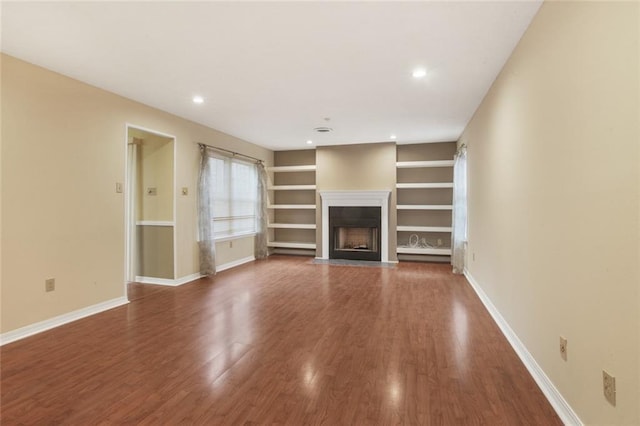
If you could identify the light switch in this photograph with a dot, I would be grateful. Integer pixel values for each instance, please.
(119, 187)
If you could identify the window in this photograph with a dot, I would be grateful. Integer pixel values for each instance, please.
(234, 193)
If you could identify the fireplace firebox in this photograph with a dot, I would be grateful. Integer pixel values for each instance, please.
(354, 233)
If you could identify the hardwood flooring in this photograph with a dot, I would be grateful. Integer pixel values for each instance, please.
(279, 341)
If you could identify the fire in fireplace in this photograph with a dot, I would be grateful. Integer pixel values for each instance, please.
(354, 233)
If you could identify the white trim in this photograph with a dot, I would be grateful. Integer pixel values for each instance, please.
(356, 199)
(559, 404)
(155, 223)
(188, 278)
(404, 228)
(39, 327)
(157, 281)
(284, 169)
(421, 164)
(424, 207)
(429, 185)
(287, 244)
(147, 130)
(419, 250)
(175, 206)
(127, 220)
(234, 263)
(168, 281)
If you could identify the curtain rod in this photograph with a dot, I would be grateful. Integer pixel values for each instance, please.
(233, 153)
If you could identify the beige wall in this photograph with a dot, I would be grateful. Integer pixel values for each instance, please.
(155, 170)
(554, 193)
(357, 167)
(63, 150)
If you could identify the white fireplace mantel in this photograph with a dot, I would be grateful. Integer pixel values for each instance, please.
(356, 199)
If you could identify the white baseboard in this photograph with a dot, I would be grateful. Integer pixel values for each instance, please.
(188, 278)
(167, 281)
(30, 330)
(234, 263)
(557, 401)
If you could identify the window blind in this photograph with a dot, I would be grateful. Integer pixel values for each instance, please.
(234, 186)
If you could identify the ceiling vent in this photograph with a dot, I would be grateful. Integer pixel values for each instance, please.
(323, 129)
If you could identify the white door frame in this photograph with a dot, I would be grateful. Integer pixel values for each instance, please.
(128, 198)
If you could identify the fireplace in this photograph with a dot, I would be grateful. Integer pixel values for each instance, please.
(354, 233)
(376, 199)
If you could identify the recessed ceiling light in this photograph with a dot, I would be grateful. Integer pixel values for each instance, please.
(198, 99)
(392, 137)
(419, 73)
(309, 142)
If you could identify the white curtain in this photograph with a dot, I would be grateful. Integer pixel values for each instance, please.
(260, 249)
(459, 236)
(206, 242)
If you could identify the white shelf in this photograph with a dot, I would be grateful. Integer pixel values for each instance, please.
(283, 244)
(293, 225)
(417, 250)
(424, 228)
(292, 187)
(292, 206)
(155, 223)
(283, 169)
(421, 164)
(424, 185)
(424, 207)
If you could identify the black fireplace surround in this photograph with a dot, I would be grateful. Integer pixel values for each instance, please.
(366, 218)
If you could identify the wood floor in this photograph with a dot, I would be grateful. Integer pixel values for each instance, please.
(280, 341)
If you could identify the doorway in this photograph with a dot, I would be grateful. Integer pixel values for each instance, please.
(149, 207)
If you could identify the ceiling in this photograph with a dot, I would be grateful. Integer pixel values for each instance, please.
(271, 72)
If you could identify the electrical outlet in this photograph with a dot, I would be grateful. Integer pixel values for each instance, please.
(50, 284)
(609, 387)
(152, 191)
(230, 244)
(119, 187)
(563, 348)
(185, 190)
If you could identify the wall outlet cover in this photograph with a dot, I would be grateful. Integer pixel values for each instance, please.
(609, 387)
(563, 348)
(49, 284)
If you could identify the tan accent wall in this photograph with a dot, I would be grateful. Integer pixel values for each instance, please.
(360, 168)
(554, 194)
(63, 150)
(155, 258)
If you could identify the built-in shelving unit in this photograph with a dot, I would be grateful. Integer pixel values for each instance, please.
(293, 225)
(292, 194)
(424, 184)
